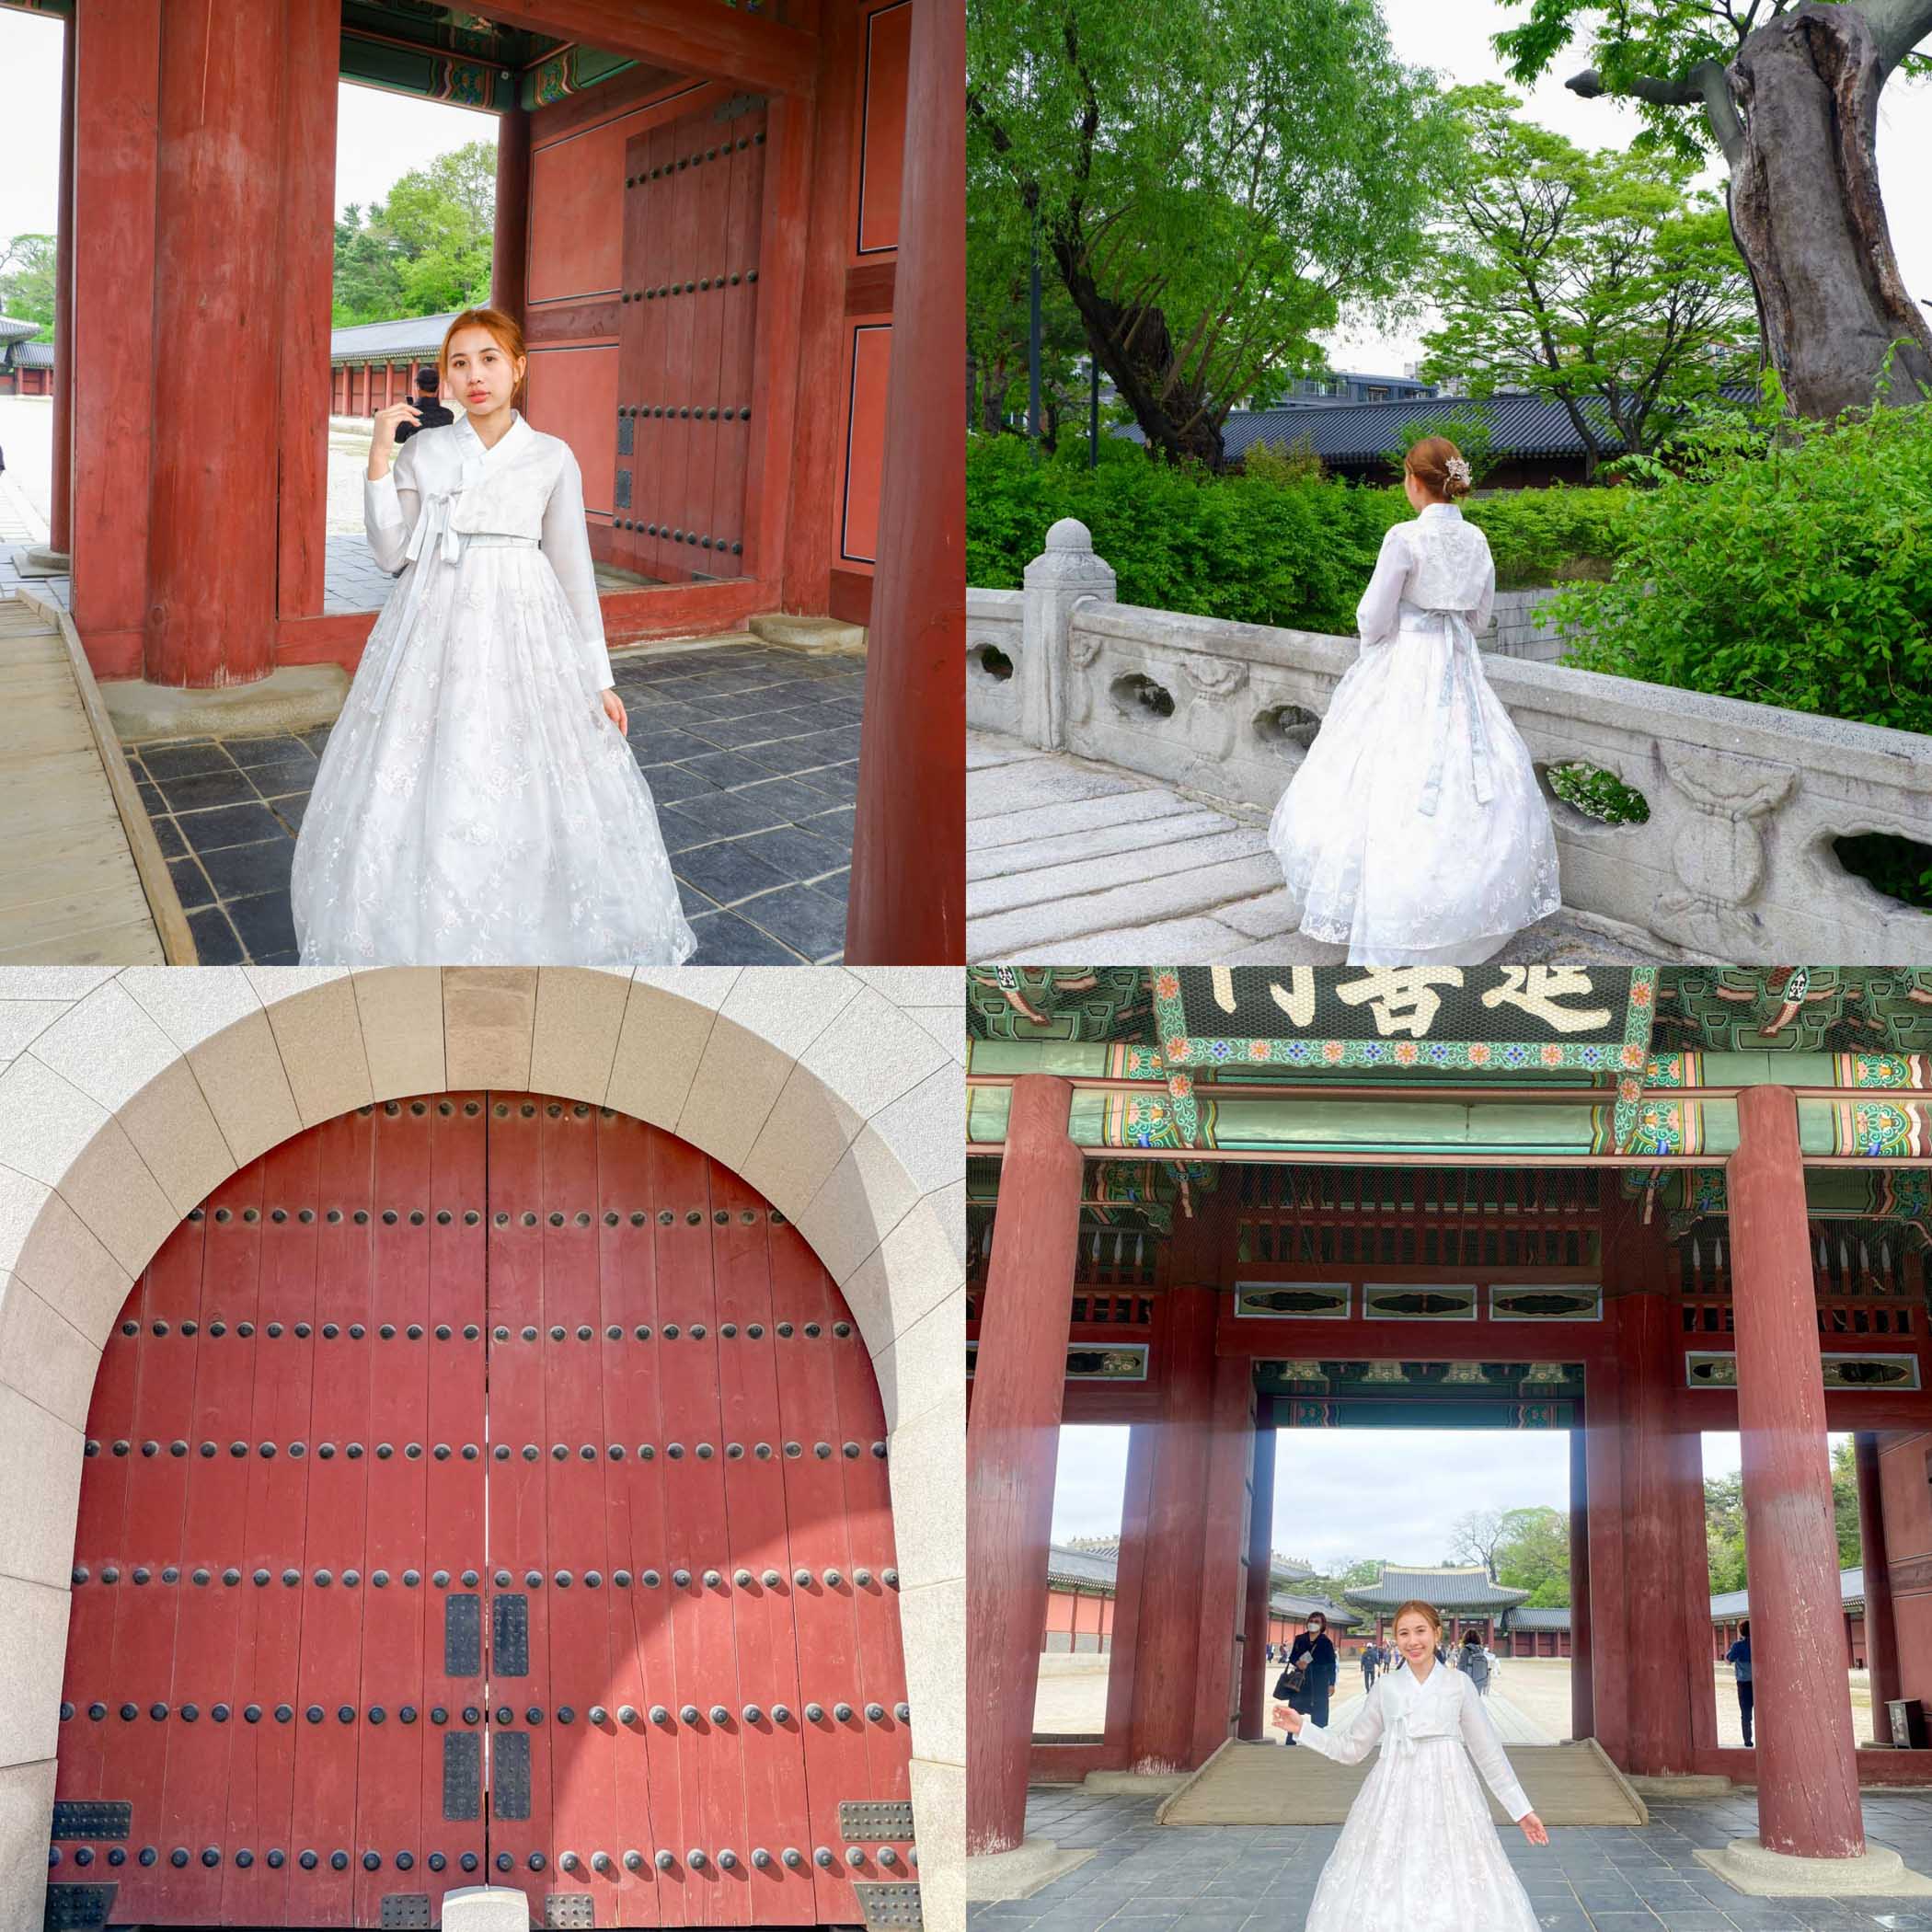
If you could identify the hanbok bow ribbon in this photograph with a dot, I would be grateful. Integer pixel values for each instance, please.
(1459, 669)
(434, 530)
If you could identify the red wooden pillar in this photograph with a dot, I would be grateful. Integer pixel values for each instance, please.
(1261, 1557)
(1130, 1570)
(1165, 1677)
(1012, 1446)
(1806, 1772)
(510, 248)
(116, 87)
(210, 616)
(1582, 1699)
(1882, 1639)
(59, 511)
(907, 899)
(1224, 1516)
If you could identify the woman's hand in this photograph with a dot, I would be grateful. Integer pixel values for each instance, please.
(1534, 1829)
(614, 710)
(382, 444)
(1290, 1720)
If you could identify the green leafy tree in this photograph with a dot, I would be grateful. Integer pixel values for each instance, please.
(1724, 1520)
(1788, 94)
(998, 308)
(424, 250)
(1472, 429)
(1534, 1555)
(27, 281)
(1606, 283)
(1212, 178)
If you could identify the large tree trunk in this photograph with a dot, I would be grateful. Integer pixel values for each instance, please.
(1807, 216)
(1135, 349)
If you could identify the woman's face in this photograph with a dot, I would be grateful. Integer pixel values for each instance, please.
(483, 376)
(1317, 1625)
(1415, 1637)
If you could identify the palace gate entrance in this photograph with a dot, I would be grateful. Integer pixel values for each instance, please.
(484, 1488)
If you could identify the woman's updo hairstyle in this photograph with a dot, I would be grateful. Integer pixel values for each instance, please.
(1429, 463)
(509, 339)
(1426, 1611)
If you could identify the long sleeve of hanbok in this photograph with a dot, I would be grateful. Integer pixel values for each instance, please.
(390, 505)
(1351, 1745)
(1378, 615)
(566, 542)
(1486, 603)
(1485, 1748)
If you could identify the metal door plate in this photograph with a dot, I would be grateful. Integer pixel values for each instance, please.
(875, 1821)
(890, 1905)
(462, 1774)
(569, 1908)
(510, 1774)
(510, 1635)
(406, 1909)
(462, 1637)
(77, 1905)
(91, 1818)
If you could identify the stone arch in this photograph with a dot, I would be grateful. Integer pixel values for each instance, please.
(836, 1093)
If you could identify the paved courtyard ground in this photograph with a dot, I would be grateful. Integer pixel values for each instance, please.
(1146, 1877)
(750, 753)
(1067, 858)
(1529, 1699)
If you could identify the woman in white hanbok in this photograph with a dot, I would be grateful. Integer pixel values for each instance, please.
(1418, 1852)
(478, 802)
(1414, 832)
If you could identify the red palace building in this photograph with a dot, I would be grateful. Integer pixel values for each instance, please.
(1634, 1204)
(742, 286)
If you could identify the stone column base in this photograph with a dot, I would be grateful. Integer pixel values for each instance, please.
(292, 698)
(1020, 1873)
(1749, 1869)
(1137, 1784)
(37, 560)
(485, 1908)
(817, 636)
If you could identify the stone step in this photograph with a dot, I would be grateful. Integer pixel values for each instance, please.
(817, 636)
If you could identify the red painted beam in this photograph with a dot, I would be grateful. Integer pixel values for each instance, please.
(1261, 1557)
(307, 245)
(718, 43)
(908, 894)
(510, 246)
(1012, 1444)
(1583, 1708)
(1807, 1770)
(1222, 1573)
(1130, 1571)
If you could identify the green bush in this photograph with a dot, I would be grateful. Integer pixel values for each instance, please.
(1278, 546)
(1783, 571)
(1599, 794)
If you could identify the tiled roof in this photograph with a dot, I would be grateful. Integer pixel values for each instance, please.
(1460, 1589)
(13, 329)
(1091, 1570)
(1341, 1617)
(413, 335)
(1525, 1618)
(1737, 1603)
(32, 355)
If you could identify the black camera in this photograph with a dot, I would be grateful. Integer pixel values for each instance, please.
(433, 415)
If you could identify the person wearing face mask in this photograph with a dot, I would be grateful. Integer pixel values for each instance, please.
(1418, 1852)
(1311, 1671)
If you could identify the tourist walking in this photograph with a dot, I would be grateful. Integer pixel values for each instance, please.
(1475, 1662)
(1370, 1658)
(1739, 1658)
(478, 802)
(1415, 832)
(1309, 1679)
(1418, 1852)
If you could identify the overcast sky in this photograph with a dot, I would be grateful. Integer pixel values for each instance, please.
(379, 137)
(1341, 1494)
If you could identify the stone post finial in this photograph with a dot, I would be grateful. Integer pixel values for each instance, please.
(1061, 577)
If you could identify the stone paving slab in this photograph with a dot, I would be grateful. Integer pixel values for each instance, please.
(1588, 1878)
(760, 844)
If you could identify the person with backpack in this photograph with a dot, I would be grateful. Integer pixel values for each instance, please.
(1475, 1662)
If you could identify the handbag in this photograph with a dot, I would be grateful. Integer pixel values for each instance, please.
(1290, 1682)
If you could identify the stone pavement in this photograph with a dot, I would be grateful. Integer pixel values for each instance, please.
(1146, 1877)
(1068, 859)
(751, 754)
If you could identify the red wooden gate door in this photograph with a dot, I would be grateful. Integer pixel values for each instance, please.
(484, 1488)
(694, 197)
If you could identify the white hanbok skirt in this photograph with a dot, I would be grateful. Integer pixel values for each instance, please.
(1419, 1852)
(1414, 832)
(474, 804)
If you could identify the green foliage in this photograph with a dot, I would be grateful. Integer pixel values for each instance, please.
(1724, 1520)
(1533, 1554)
(1599, 794)
(27, 281)
(425, 251)
(1211, 178)
(1276, 545)
(1784, 571)
(1608, 283)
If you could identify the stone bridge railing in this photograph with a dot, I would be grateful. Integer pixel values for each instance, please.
(1736, 861)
